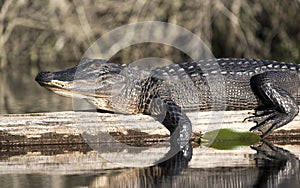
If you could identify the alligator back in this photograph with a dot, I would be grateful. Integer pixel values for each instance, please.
(216, 84)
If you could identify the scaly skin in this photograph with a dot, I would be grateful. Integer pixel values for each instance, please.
(165, 93)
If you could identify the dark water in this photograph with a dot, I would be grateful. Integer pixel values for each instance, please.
(267, 166)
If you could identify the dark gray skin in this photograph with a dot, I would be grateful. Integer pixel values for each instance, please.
(166, 93)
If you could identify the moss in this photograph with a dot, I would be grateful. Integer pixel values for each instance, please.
(225, 139)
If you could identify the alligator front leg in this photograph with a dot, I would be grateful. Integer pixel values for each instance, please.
(274, 89)
(172, 117)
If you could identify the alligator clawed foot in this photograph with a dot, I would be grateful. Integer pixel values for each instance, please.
(266, 121)
(259, 116)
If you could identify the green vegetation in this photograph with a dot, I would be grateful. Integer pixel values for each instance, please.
(225, 139)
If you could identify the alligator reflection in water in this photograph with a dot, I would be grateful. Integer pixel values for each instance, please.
(160, 175)
(275, 167)
(266, 166)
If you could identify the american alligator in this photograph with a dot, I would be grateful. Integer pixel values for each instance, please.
(166, 93)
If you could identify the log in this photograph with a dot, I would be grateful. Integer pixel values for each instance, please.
(73, 142)
(68, 127)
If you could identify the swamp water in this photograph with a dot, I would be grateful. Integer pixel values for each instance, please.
(261, 165)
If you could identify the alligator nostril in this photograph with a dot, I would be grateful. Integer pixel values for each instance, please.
(44, 76)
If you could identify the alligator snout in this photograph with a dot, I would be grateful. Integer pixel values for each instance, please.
(44, 77)
(60, 76)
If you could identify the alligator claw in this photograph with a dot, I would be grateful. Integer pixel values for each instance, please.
(246, 120)
(251, 113)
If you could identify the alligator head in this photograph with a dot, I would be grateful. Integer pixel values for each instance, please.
(90, 79)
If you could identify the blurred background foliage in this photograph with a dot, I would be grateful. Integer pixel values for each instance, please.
(54, 34)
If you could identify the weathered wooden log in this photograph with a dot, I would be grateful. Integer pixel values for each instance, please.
(68, 127)
(57, 142)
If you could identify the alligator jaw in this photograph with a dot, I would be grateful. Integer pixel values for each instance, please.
(72, 88)
(46, 79)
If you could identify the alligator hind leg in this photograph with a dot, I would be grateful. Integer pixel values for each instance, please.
(274, 91)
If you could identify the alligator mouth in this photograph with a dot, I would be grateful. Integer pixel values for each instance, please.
(67, 88)
(46, 79)
(57, 88)
(57, 80)
(55, 84)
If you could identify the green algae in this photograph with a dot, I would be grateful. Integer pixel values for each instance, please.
(226, 139)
